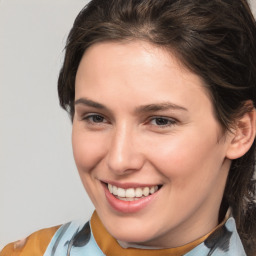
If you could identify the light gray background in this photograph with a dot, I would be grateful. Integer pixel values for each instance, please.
(39, 184)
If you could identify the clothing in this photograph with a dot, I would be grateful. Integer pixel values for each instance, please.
(92, 239)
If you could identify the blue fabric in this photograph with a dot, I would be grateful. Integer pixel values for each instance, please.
(61, 243)
(76, 239)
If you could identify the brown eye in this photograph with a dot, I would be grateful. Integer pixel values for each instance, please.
(94, 118)
(162, 121)
(97, 119)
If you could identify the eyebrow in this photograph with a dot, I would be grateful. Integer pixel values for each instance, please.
(159, 107)
(141, 109)
(89, 103)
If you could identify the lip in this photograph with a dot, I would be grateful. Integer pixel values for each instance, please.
(128, 206)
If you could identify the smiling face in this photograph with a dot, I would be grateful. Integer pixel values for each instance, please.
(148, 148)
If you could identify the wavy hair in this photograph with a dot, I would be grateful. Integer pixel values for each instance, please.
(215, 39)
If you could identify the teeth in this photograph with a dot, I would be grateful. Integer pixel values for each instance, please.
(128, 198)
(110, 188)
(152, 190)
(114, 188)
(131, 194)
(146, 191)
(121, 192)
(138, 192)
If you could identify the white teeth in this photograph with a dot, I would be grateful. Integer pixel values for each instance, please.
(110, 188)
(138, 192)
(152, 190)
(146, 191)
(131, 194)
(121, 192)
(128, 198)
(114, 188)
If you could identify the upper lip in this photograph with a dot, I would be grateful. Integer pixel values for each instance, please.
(130, 184)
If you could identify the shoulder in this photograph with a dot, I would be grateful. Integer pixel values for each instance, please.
(74, 237)
(59, 240)
(34, 245)
(223, 241)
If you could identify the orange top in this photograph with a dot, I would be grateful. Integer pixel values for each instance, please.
(110, 246)
(37, 243)
(34, 245)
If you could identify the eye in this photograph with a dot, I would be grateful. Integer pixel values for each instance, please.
(95, 119)
(162, 121)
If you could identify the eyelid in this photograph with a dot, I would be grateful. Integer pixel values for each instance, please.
(87, 116)
(83, 111)
(172, 121)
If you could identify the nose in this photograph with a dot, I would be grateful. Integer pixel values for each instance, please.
(124, 155)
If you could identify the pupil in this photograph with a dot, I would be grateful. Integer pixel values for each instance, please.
(161, 121)
(97, 119)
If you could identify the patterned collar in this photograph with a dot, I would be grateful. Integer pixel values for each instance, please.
(92, 239)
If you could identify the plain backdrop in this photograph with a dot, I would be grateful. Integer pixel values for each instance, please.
(39, 184)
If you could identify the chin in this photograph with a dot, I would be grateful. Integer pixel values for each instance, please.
(131, 238)
(131, 233)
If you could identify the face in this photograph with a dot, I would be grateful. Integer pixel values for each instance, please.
(147, 145)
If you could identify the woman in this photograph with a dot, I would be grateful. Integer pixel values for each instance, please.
(162, 99)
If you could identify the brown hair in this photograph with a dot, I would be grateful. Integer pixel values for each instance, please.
(216, 39)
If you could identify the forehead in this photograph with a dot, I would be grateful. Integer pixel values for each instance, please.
(116, 69)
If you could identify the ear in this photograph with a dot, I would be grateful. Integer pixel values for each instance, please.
(243, 136)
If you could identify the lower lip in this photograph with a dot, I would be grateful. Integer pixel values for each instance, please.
(128, 206)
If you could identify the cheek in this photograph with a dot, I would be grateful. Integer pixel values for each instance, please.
(88, 149)
(189, 159)
(192, 172)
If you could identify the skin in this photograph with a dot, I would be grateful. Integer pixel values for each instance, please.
(121, 141)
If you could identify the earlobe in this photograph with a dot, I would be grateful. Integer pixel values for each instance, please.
(244, 135)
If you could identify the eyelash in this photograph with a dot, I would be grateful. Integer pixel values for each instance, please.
(168, 121)
(90, 119)
(154, 121)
